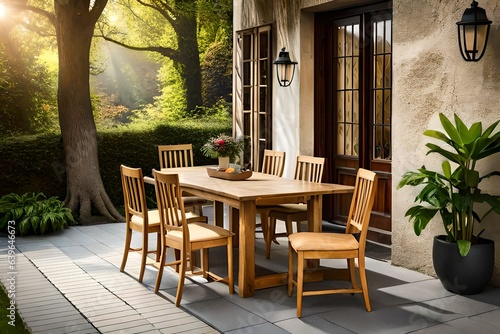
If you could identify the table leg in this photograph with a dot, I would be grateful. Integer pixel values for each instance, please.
(219, 213)
(315, 218)
(234, 225)
(315, 213)
(246, 274)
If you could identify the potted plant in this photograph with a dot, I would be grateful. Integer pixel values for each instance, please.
(223, 147)
(458, 256)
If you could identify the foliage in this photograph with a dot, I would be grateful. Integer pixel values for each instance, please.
(34, 213)
(35, 163)
(27, 93)
(223, 146)
(5, 327)
(453, 193)
(217, 73)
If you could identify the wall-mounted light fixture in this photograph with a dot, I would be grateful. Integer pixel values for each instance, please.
(473, 32)
(285, 68)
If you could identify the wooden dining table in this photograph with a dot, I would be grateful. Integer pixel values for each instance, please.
(244, 196)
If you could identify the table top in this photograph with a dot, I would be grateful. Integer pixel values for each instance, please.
(258, 186)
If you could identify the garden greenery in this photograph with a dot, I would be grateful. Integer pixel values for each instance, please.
(34, 213)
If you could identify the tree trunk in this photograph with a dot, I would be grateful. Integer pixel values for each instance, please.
(189, 59)
(85, 190)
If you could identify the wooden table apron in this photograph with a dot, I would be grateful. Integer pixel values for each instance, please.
(245, 195)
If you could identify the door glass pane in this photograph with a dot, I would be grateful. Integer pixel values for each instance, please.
(340, 138)
(247, 47)
(264, 41)
(347, 87)
(340, 107)
(247, 98)
(356, 40)
(348, 73)
(348, 41)
(340, 41)
(340, 73)
(263, 99)
(382, 90)
(247, 73)
(263, 72)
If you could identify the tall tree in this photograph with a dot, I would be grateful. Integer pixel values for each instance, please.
(74, 22)
(181, 15)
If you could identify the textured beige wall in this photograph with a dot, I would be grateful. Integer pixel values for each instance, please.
(429, 76)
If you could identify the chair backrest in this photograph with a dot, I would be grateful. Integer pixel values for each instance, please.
(172, 156)
(134, 194)
(273, 162)
(362, 204)
(169, 199)
(309, 168)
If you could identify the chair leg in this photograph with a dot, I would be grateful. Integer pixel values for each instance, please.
(264, 223)
(230, 276)
(300, 282)
(144, 255)
(182, 274)
(204, 262)
(364, 285)
(290, 270)
(128, 239)
(270, 236)
(289, 227)
(158, 246)
(160, 269)
(352, 273)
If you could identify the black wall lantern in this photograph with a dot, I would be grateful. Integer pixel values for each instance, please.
(473, 32)
(285, 68)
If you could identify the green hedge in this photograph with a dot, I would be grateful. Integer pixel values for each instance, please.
(36, 163)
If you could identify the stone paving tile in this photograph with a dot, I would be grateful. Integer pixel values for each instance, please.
(84, 265)
(128, 325)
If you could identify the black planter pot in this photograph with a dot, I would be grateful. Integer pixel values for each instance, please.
(463, 275)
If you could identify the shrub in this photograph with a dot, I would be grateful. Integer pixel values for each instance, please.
(34, 213)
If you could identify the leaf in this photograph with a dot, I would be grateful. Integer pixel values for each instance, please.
(24, 227)
(420, 216)
(437, 134)
(446, 169)
(464, 247)
(450, 129)
(447, 154)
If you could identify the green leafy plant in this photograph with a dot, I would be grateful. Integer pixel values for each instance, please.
(453, 192)
(34, 213)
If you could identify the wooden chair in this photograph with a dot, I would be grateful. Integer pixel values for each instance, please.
(181, 155)
(308, 169)
(274, 164)
(186, 237)
(137, 216)
(317, 245)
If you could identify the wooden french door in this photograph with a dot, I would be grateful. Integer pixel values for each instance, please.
(353, 80)
(253, 93)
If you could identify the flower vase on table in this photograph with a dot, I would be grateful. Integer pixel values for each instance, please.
(227, 149)
(223, 163)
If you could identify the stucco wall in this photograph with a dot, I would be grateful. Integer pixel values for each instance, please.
(429, 76)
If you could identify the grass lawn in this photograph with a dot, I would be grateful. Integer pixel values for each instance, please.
(5, 314)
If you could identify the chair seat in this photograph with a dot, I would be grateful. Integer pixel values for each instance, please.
(191, 200)
(201, 232)
(289, 208)
(153, 219)
(317, 241)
